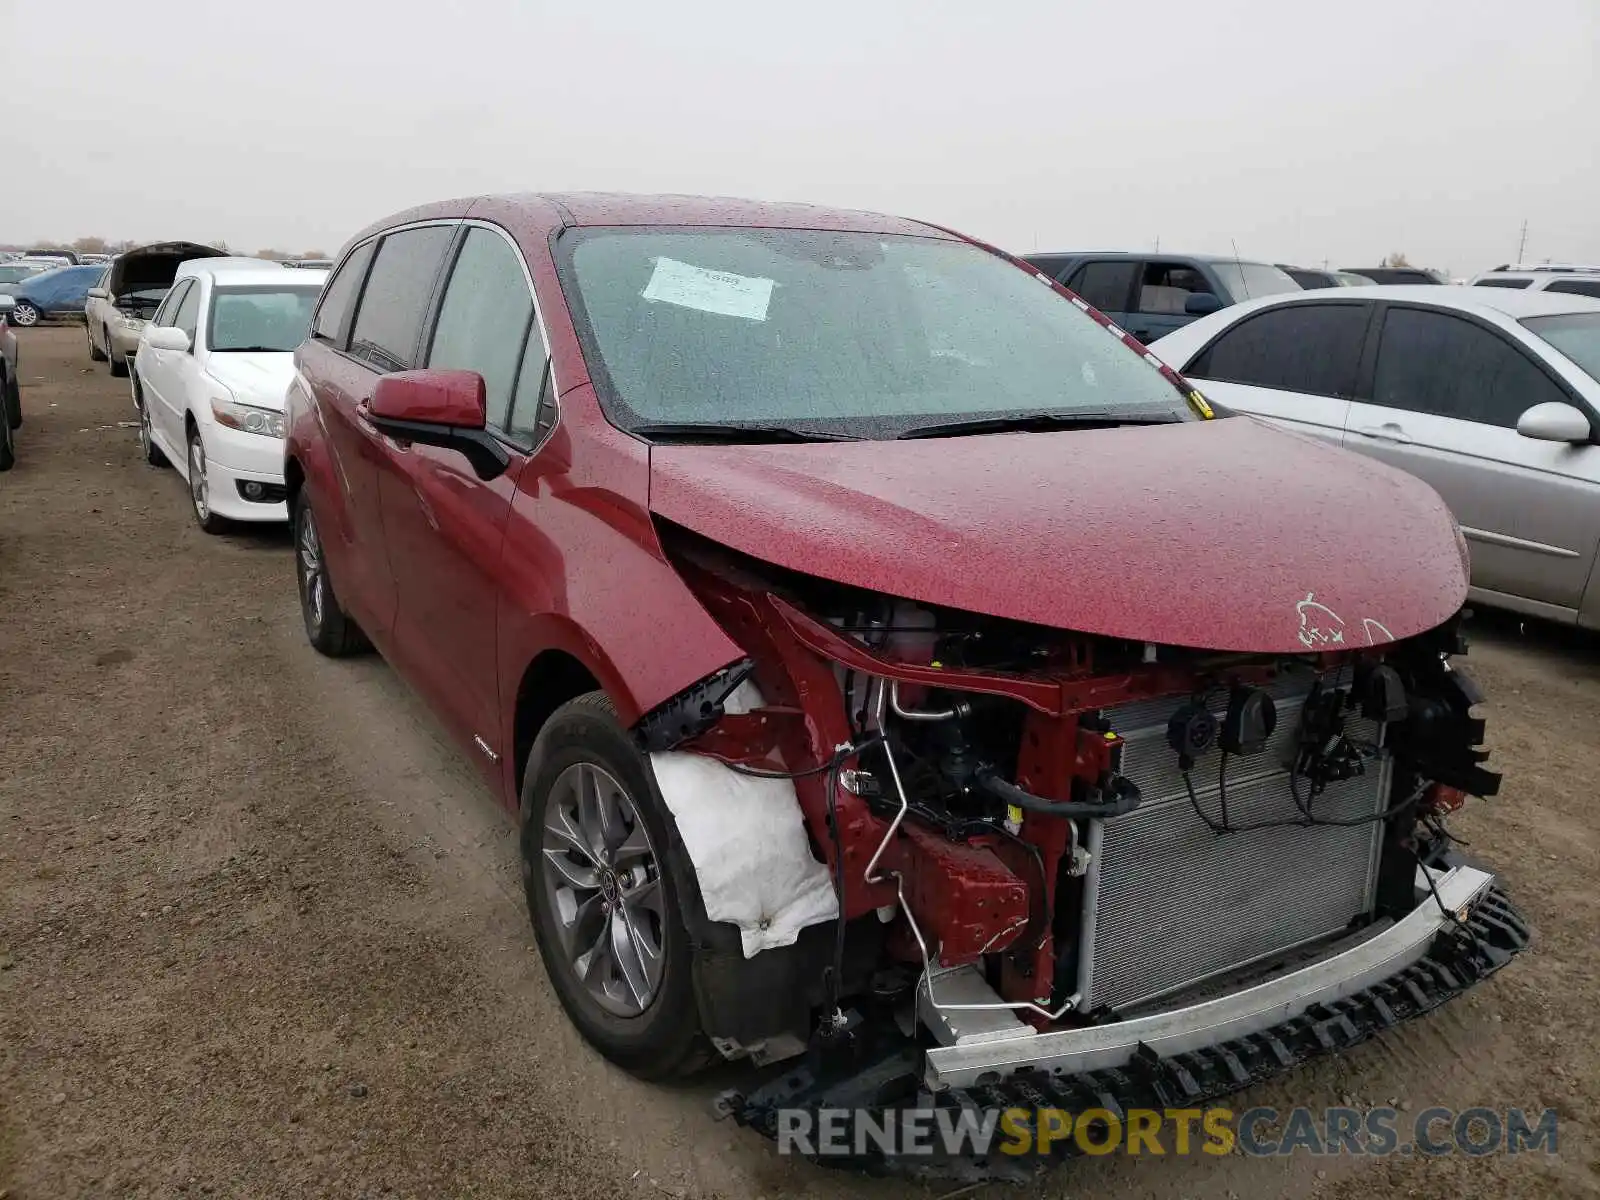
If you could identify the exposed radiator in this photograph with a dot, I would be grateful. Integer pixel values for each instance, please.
(1169, 904)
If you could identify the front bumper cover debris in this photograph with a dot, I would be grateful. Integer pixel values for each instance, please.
(1458, 957)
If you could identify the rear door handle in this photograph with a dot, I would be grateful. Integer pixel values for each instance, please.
(1386, 433)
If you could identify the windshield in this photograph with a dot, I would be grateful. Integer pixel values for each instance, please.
(262, 319)
(1248, 280)
(1577, 335)
(866, 335)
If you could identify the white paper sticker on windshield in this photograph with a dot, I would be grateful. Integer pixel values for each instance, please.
(720, 292)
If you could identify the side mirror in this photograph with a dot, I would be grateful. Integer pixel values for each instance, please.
(1202, 304)
(1554, 422)
(99, 294)
(439, 408)
(167, 337)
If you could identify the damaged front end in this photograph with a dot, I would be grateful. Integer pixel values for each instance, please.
(979, 864)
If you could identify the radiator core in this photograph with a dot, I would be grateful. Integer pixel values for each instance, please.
(1169, 904)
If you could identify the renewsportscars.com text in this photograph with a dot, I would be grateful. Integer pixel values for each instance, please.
(1258, 1132)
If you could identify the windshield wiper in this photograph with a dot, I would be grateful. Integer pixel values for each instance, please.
(1035, 422)
(693, 431)
(251, 349)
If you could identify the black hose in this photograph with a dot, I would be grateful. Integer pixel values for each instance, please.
(1126, 798)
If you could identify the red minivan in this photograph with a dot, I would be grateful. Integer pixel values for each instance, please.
(886, 657)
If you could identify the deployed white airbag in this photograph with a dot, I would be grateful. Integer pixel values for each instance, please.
(747, 840)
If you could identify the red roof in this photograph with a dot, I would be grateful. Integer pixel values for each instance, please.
(621, 208)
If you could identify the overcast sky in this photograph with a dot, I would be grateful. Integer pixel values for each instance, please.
(1297, 132)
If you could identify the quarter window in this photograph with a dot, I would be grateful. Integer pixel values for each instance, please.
(389, 317)
(1051, 265)
(534, 410)
(170, 304)
(187, 317)
(1505, 283)
(1431, 362)
(1309, 348)
(1106, 285)
(339, 296)
(485, 318)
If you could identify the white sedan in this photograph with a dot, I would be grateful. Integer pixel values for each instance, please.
(1491, 395)
(209, 380)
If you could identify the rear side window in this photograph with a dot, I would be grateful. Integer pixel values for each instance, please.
(1577, 287)
(399, 286)
(1166, 288)
(1430, 362)
(339, 296)
(484, 320)
(1310, 348)
(1106, 285)
(1505, 283)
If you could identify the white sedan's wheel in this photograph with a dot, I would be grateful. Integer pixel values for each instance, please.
(147, 442)
(200, 486)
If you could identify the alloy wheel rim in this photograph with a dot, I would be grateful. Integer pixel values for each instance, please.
(603, 881)
(24, 314)
(144, 429)
(197, 479)
(310, 555)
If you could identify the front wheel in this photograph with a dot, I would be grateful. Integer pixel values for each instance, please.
(95, 353)
(25, 314)
(200, 486)
(147, 442)
(328, 628)
(605, 896)
(115, 363)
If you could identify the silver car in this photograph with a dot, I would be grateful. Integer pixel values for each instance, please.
(1492, 395)
(123, 299)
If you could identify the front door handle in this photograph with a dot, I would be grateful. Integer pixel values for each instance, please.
(1387, 432)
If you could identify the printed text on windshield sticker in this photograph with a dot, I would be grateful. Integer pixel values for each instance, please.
(720, 292)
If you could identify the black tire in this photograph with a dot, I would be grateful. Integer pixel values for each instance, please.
(664, 1040)
(13, 399)
(329, 628)
(95, 353)
(115, 363)
(151, 452)
(8, 452)
(25, 314)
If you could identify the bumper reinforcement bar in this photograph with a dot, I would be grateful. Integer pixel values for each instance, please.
(1172, 1060)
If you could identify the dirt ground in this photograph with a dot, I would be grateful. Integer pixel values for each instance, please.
(261, 932)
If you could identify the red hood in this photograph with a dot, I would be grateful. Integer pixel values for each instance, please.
(1226, 534)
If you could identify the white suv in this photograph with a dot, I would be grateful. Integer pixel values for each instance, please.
(1576, 281)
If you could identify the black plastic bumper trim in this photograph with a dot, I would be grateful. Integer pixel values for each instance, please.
(1460, 957)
